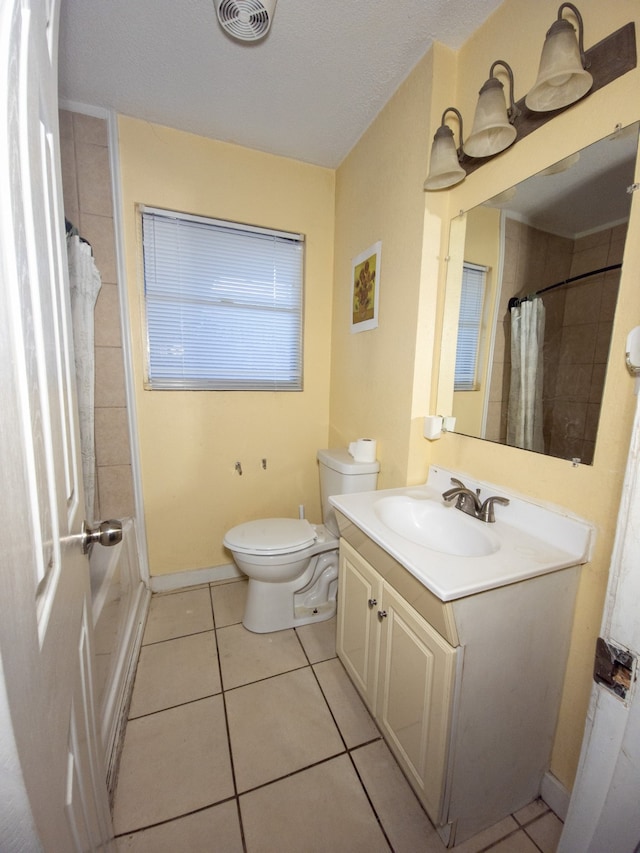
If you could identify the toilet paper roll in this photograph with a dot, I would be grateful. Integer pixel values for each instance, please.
(363, 449)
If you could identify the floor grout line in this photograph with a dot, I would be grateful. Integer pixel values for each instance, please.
(266, 678)
(347, 749)
(228, 730)
(176, 817)
(178, 637)
(173, 707)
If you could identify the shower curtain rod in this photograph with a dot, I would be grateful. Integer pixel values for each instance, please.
(515, 301)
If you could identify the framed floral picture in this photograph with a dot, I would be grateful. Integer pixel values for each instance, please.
(365, 289)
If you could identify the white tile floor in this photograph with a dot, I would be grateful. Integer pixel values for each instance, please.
(259, 743)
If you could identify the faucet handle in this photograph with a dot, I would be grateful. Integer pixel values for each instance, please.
(486, 511)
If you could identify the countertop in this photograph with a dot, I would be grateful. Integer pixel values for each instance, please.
(534, 539)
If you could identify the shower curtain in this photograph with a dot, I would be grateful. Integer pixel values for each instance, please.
(85, 283)
(524, 420)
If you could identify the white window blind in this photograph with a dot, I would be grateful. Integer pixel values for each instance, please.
(223, 304)
(471, 305)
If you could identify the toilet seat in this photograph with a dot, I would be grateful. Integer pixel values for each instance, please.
(271, 536)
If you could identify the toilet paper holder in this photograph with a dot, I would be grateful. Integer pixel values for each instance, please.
(436, 425)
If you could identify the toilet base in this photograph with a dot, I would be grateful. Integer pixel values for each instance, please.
(266, 624)
(307, 599)
(305, 615)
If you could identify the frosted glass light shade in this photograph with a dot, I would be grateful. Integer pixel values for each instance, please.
(491, 131)
(561, 78)
(444, 167)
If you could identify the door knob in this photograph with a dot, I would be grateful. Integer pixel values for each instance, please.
(382, 614)
(107, 533)
(372, 602)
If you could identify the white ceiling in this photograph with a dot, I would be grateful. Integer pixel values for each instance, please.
(308, 90)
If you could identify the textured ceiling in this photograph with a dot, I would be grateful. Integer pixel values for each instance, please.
(308, 90)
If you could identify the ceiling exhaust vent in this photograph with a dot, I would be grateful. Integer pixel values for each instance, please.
(246, 20)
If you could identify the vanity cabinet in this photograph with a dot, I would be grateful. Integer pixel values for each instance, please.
(466, 692)
(358, 635)
(402, 667)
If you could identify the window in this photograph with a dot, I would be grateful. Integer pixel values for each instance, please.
(471, 304)
(223, 304)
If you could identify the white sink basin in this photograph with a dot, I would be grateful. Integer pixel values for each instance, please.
(436, 526)
(454, 555)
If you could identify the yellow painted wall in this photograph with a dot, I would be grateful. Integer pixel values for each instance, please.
(190, 441)
(379, 196)
(383, 382)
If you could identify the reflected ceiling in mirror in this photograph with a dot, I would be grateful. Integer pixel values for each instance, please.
(551, 252)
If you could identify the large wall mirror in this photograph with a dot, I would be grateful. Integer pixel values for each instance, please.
(533, 280)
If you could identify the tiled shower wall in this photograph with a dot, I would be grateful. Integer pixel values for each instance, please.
(578, 345)
(88, 204)
(578, 325)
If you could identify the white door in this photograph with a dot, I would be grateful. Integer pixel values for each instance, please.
(52, 785)
(604, 813)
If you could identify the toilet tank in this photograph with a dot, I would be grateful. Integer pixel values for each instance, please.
(340, 474)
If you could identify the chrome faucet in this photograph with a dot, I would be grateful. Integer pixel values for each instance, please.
(469, 502)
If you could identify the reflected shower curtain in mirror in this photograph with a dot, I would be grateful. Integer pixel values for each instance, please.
(524, 419)
(84, 283)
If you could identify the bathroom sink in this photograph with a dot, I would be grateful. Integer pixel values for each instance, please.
(436, 526)
(453, 554)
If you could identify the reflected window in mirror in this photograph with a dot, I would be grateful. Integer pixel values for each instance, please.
(474, 278)
(557, 238)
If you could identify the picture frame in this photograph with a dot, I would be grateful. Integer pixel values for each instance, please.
(365, 289)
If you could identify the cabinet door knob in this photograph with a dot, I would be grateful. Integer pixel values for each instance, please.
(382, 614)
(372, 602)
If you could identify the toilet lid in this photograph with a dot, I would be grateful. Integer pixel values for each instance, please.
(271, 536)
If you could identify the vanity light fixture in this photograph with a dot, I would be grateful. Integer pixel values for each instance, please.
(444, 166)
(562, 80)
(562, 76)
(493, 129)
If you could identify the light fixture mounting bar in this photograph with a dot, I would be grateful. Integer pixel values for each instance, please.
(608, 59)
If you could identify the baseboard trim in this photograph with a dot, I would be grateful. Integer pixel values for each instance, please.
(193, 577)
(116, 735)
(555, 795)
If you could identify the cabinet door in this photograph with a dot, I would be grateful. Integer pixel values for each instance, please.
(359, 595)
(415, 692)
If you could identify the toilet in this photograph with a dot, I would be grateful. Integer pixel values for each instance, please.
(292, 565)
